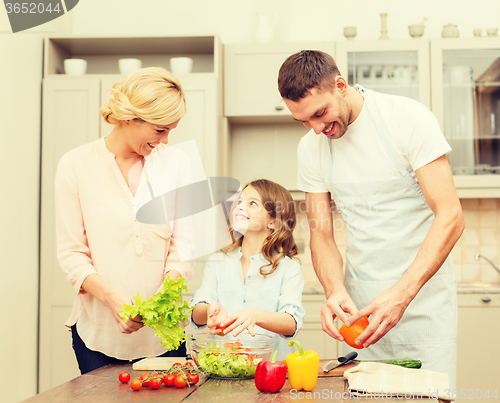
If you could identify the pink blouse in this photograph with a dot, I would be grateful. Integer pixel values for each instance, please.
(97, 232)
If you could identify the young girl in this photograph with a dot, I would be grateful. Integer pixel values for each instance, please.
(254, 284)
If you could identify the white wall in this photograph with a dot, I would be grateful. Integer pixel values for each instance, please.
(20, 110)
(297, 20)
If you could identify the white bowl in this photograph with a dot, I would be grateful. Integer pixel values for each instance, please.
(75, 67)
(492, 31)
(416, 30)
(181, 65)
(128, 66)
(350, 32)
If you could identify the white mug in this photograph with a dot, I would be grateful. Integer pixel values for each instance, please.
(129, 65)
(75, 67)
(181, 65)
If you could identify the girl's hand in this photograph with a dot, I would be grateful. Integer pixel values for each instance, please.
(114, 302)
(216, 315)
(241, 320)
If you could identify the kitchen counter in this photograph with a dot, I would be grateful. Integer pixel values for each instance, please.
(102, 386)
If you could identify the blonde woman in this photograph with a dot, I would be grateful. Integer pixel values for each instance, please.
(106, 254)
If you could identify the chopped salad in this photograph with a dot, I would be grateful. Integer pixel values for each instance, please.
(229, 361)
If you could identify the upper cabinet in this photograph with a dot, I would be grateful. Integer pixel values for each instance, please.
(251, 78)
(466, 101)
(399, 67)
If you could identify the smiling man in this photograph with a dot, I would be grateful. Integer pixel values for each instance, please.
(382, 159)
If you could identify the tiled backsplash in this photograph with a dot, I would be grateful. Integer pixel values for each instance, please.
(481, 235)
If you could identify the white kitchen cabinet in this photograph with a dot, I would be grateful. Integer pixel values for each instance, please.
(71, 118)
(251, 78)
(465, 76)
(312, 336)
(478, 352)
(399, 67)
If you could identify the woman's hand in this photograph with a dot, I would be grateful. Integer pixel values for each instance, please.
(241, 320)
(216, 315)
(114, 302)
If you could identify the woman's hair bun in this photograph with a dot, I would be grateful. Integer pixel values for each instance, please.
(151, 94)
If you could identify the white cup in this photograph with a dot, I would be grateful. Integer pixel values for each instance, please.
(75, 67)
(128, 66)
(181, 65)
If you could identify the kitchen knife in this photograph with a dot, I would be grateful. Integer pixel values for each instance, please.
(341, 361)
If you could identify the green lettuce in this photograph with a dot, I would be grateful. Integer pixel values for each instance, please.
(228, 365)
(163, 312)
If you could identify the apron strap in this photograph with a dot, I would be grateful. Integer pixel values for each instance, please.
(381, 133)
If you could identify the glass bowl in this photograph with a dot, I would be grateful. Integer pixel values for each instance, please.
(228, 357)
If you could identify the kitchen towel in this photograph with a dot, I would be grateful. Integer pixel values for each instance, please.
(376, 379)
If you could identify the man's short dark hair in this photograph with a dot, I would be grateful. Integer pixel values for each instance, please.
(305, 70)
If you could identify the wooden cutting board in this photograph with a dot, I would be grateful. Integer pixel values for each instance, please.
(157, 363)
(339, 371)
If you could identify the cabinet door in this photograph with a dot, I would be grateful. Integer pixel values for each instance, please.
(200, 121)
(70, 118)
(478, 353)
(392, 67)
(251, 76)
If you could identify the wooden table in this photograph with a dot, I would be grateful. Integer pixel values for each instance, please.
(102, 386)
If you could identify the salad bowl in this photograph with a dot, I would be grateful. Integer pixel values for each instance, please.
(228, 357)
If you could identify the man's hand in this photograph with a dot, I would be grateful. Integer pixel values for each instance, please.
(216, 314)
(241, 320)
(386, 310)
(335, 307)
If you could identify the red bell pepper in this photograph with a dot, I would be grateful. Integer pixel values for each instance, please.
(270, 376)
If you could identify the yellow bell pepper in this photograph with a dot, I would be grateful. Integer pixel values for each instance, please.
(302, 368)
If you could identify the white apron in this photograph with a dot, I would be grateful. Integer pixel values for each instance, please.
(386, 223)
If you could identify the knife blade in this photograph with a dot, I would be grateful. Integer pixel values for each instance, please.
(340, 361)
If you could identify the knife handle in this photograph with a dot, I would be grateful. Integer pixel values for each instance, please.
(349, 357)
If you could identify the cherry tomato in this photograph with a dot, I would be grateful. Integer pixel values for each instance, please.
(145, 378)
(136, 384)
(177, 364)
(124, 377)
(351, 333)
(155, 383)
(219, 327)
(188, 364)
(179, 381)
(168, 379)
(193, 378)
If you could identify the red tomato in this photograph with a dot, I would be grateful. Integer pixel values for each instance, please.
(193, 378)
(168, 379)
(219, 327)
(136, 384)
(351, 333)
(188, 364)
(145, 378)
(124, 377)
(179, 381)
(177, 364)
(155, 383)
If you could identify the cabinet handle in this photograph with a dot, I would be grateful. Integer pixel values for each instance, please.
(279, 107)
(486, 299)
